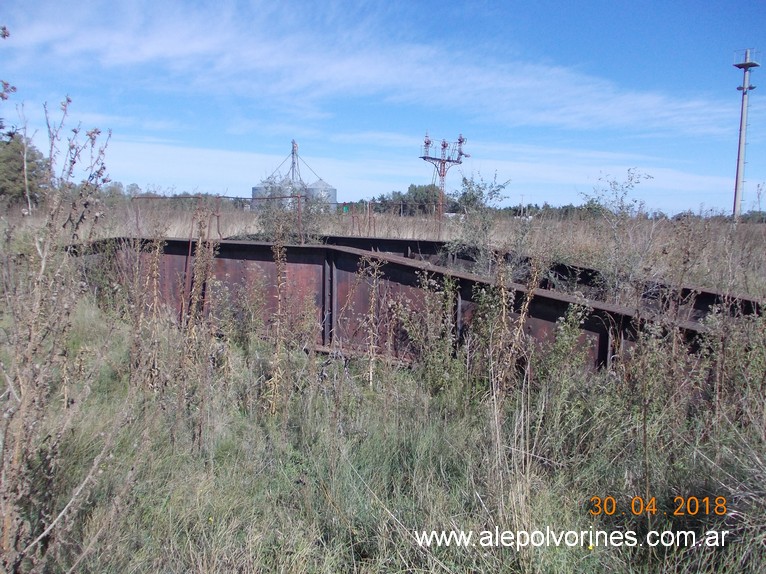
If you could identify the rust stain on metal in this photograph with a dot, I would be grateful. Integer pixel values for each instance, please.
(338, 286)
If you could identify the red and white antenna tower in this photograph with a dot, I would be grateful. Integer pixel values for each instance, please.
(451, 154)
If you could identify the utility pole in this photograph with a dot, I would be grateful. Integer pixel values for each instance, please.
(744, 88)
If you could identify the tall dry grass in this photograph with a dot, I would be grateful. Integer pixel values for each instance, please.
(630, 249)
(138, 437)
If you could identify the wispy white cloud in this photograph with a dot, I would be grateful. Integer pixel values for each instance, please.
(205, 169)
(376, 138)
(351, 81)
(526, 152)
(274, 54)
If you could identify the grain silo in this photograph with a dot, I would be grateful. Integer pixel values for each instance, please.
(261, 190)
(322, 192)
(291, 186)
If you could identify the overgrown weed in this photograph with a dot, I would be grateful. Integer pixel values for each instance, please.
(141, 437)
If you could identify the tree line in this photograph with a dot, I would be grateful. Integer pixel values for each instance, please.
(26, 188)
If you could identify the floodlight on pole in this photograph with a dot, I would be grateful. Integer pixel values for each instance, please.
(451, 154)
(744, 88)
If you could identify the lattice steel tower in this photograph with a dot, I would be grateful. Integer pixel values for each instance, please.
(451, 154)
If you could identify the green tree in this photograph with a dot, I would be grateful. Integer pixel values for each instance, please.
(6, 89)
(18, 184)
(478, 196)
(287, 213)
(422, 198)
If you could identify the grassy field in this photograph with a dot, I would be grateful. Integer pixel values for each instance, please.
(622, 241)
(135, 443)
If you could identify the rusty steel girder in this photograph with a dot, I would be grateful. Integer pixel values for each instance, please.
(699, 301)
(339, 287)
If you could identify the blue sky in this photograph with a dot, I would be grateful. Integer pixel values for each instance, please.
(553, 96)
